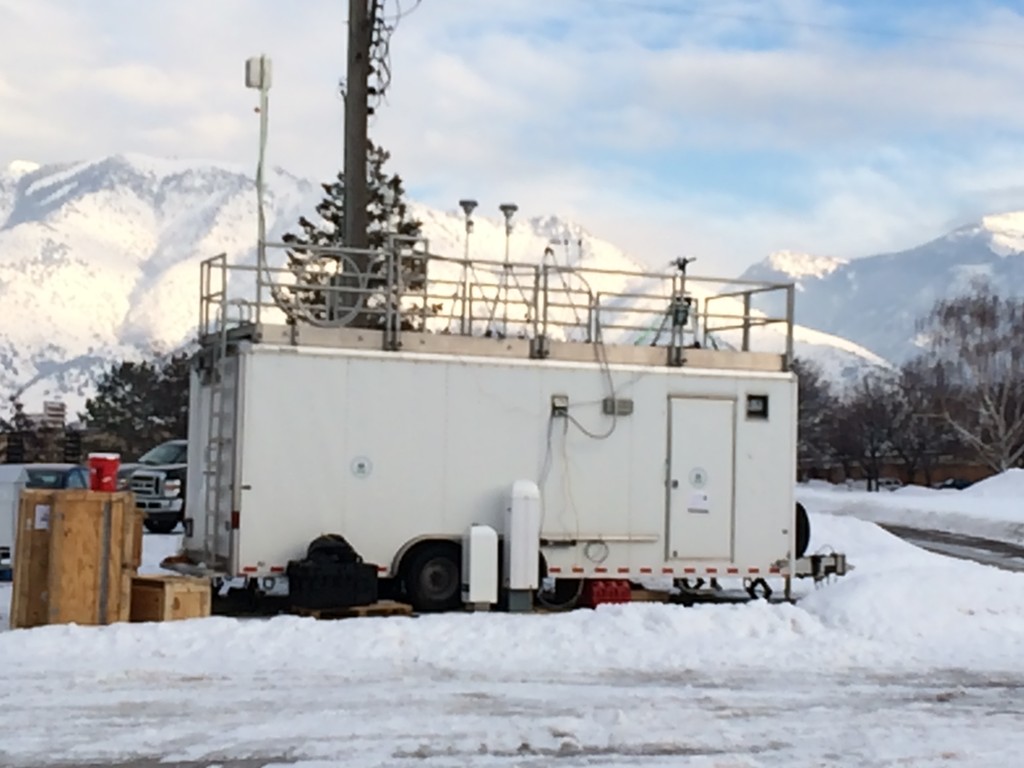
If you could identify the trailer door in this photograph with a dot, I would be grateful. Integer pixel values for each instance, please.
(701, 468)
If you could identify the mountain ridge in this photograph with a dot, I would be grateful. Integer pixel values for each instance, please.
(877, 300)
(99, 260)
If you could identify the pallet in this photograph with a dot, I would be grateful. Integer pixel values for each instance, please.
(380, 608)
(649, 596)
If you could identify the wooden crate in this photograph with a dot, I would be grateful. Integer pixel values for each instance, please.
(29, 604)
(169, 598)
(75, 555)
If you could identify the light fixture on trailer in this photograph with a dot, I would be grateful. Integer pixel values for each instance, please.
(468, 206)
(508, 210)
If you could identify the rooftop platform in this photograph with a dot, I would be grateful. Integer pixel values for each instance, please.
(402, 297)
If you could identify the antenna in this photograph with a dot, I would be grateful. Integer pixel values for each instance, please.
(681, 262)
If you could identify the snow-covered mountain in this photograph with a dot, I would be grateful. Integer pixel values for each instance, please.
(876, 301)
(99, 261)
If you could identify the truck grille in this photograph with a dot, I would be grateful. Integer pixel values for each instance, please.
(145, 485)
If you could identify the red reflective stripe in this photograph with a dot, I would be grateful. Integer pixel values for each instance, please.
(600, 569)
(623, 570)
(711, 570)
(277, 569)
(235, 520)
(732, 570)
(555, 569)
(667, 570)
(577, 569)
(753, 570)
(249, 569)
(689, 570)
(646, 570)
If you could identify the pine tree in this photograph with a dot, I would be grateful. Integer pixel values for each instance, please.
(387, 214)
(138, 405)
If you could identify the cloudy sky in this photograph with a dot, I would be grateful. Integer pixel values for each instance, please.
(725, 129)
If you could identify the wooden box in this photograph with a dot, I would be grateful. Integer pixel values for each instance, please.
(75, 554)
(169, 598)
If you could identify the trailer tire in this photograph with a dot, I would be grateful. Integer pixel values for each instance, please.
(334, 547)
(432, 574)
(160, 526)
(803, 530)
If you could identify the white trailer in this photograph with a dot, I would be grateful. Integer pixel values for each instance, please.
(589, 454)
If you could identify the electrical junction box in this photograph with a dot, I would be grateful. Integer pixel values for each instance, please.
(559, 405)
(521, 543)
(480, 566)
(617, 406)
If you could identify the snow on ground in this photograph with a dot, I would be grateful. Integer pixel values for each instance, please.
(913, 659)
(992, 508)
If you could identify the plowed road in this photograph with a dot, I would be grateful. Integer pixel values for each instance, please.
(1001, 554)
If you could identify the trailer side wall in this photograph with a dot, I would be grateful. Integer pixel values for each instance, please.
(390, 447)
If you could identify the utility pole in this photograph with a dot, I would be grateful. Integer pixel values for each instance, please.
(346, 294)
(361, 18)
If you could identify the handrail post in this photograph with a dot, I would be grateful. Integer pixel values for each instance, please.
(790, 317)
(465, 296)
(224, 291)
(202, 299)
(746, 321)
(593, 316)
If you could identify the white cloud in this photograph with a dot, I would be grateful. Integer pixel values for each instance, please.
(573, 106)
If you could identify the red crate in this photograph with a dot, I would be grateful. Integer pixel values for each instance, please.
(598, 591)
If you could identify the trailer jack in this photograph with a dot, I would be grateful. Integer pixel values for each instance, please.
(752, 585)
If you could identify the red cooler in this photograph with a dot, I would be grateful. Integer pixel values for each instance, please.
(103, 471)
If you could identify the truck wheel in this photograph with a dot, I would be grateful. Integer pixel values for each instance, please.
(160, 526)
(803, 530)
(433, 577)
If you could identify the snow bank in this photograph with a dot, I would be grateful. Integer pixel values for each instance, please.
(1008, 484)
(911, 659)
(992, 508)
(929, 609)
(902, 606)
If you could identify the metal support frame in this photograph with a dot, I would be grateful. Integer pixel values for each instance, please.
(544, 304)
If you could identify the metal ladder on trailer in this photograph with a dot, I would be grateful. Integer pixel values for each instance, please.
(219, 450)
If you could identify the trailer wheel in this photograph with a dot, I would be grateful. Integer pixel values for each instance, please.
(433, 577)
(803, 530)
(160, 526)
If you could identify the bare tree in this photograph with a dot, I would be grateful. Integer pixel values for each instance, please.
(917, 430)
(816, 407)
(976, 343)
(861, 428)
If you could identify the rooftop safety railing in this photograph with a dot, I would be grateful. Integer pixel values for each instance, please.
(403, 288)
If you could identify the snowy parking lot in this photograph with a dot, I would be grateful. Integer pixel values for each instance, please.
(914, 659)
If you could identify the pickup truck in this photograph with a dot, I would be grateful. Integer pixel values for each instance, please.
(158, 481)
